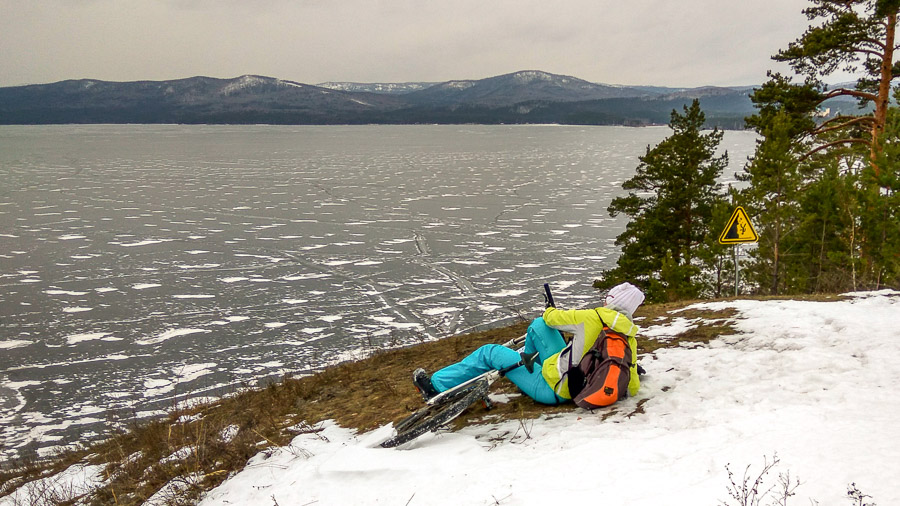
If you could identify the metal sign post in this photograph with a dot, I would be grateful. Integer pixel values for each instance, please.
(738, 231)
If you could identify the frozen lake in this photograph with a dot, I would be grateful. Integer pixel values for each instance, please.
(144, 265)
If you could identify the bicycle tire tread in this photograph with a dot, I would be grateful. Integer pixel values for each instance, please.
(433, 417)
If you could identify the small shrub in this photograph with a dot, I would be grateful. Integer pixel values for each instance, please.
(752, 491)
(858, 497)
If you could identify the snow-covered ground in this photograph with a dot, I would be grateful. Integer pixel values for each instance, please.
(813, 384)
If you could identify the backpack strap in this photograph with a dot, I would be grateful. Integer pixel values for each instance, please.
(574, 373)
(623, 336)
(566, 373)
(602, 323)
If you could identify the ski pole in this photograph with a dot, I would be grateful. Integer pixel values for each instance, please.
(548, 295)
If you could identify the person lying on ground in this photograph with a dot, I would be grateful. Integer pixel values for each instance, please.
(547, 381)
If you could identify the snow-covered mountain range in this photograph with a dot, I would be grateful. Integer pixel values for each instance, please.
(520, 97)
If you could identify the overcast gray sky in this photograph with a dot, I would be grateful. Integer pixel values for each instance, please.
(658, 42)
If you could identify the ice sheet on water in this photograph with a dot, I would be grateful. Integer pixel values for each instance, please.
(440, 310)
(11, 399)
(470, 262)
(91, 336)
(146, 242)
(307, 276)
(64, 292)
(169, 334)
(336, 263)
(191, 372)
(10, 344)
(507, 293)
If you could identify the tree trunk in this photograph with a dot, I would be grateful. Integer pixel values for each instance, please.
(884, 90)
(821, 256)
(775, 269)
(778, 223)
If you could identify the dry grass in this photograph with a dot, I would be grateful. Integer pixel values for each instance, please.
(196, 449)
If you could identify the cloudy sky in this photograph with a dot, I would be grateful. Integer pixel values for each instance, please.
(658, 42)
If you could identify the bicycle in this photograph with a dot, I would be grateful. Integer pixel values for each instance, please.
(447, 405)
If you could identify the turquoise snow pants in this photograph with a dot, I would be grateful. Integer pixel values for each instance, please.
(540, 338)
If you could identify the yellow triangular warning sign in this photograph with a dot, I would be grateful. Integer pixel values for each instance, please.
(739, 229)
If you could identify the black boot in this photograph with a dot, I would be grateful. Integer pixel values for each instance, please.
(423, 384)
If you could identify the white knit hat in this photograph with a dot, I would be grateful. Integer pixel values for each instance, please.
(624, 298)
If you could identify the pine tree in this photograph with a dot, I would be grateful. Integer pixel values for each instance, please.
(772, 197)
(855, 36)
(666, 246)
(882, 200)
(835, 225)
(826, 257)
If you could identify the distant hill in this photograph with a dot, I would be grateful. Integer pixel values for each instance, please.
(519, 97)
(384, 88)
(246, 99)
(511, 89)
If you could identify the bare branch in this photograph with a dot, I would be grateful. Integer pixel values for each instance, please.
(827, 127)
(852, 93)
(835, 143)
(871, 52)
(875, 42)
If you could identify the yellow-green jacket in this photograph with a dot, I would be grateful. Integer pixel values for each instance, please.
(585, 327)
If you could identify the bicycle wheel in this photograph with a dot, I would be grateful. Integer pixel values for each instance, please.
(433, 417)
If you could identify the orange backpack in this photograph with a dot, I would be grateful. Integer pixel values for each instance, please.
(601, 377)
